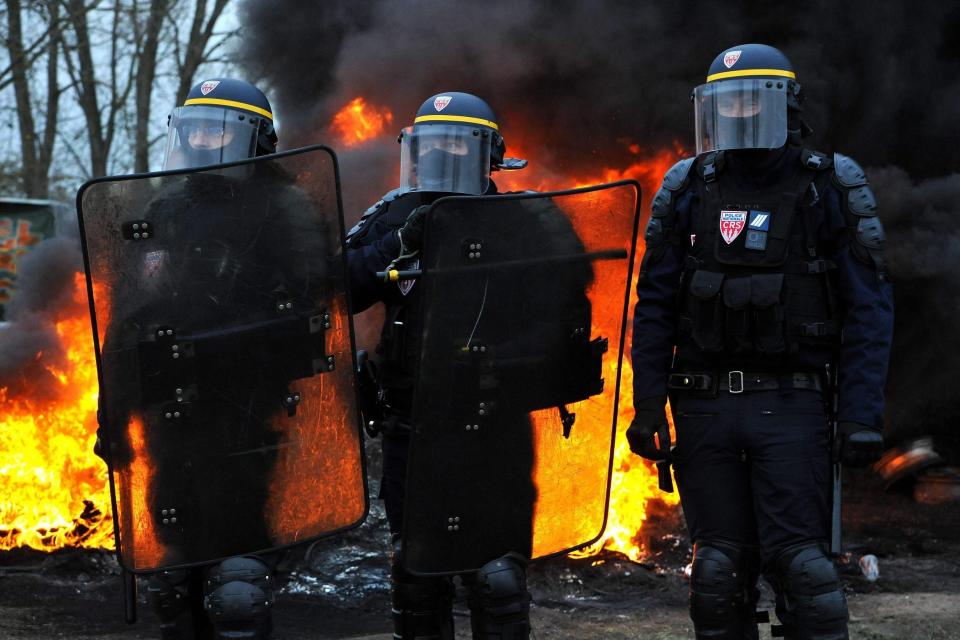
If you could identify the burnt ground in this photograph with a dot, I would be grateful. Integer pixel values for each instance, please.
(339, 589)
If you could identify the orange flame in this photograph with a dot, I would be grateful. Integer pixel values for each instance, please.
(358, 122)
(634, 482)
(53, 489)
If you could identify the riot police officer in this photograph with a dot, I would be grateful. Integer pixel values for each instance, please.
(222, 120)
(763, 278)
(451, 148)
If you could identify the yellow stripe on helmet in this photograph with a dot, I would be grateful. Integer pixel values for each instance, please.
(229, 103)
(751, 72)
(442, 118)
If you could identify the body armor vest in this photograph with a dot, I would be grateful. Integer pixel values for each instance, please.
(756, 287)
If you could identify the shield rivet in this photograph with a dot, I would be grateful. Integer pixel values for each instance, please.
(165, 512)
(483, 412)
(136, 236)
(169, 332)
(179, 391)
(176, 355)
(173, 512)
(136, 226)
(166, 521)
(176, 414)
(483, 349)
(173, 520)
(168, 415)
(289, 305)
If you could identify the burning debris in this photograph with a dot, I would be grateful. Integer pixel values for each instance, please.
(55, 491)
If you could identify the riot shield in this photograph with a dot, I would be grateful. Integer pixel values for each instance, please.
(523, 306)
(225, 357)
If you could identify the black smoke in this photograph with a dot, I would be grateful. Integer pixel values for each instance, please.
(585, 78)
(29, 344)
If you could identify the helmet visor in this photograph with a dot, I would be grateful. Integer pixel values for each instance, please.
(200, 136)
(444, 158)
(746, 113)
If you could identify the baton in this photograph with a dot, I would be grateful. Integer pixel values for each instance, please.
(392, 275)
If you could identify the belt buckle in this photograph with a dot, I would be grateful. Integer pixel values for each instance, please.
(735, 387)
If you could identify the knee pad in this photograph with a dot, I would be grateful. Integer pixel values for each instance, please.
(811, 604)
(239, 598)
(169, 595)
(422, 607)
(498, 599)
(723, 590)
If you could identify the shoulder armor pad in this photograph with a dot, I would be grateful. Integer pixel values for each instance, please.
(674, 180)
(377, 207)
(870, 233)
(862, 202)
(676, 177)
(815, 160)
(848, 172)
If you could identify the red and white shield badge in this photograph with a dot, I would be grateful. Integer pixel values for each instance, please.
(406, 285)
(730, 58)
(731, 224)
(208, 86)
(441, 101)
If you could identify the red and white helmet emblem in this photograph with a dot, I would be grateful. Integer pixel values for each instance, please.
(731, 224)
(730, 58)
(441, 101)
(208, 86)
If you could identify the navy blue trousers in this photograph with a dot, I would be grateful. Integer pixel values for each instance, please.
(753, 468)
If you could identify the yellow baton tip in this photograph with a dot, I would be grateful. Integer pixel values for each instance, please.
(394, 275)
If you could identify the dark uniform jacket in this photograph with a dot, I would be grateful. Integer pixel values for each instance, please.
(764, 292)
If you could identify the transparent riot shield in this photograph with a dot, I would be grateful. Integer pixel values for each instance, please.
(524, 305)
(225, 354)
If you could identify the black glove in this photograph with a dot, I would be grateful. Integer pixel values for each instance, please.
(411, 233)
(857, 445)
(650, 419)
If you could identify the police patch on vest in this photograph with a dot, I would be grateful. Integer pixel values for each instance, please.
(406, 285)
(759, 221)
(731, 224)
(756, 240)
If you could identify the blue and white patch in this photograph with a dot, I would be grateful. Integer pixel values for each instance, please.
(756, 240)
(759, 221)
(406, 285)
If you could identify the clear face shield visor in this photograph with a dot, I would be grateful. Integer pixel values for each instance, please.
(747, 113)
(201, 136)
(445, 158)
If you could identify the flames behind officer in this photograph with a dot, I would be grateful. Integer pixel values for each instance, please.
(763, 266)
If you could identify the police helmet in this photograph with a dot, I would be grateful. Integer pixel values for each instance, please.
(221, 120)
(751, 100)
(452, 146)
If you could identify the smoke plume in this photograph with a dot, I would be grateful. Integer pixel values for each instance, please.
(29, 344)
(580, 80)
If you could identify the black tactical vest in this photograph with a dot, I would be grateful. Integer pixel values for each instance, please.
(756, 287)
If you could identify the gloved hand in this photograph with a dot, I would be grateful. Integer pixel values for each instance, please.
(411, 233)
(650, 419)
(857, 445)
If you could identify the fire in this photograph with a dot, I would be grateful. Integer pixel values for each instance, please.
(358, 122)
(53, 489)
(634, 483)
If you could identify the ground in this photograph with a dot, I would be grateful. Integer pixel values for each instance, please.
(339, 588)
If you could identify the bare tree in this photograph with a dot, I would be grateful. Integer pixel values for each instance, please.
(36, 147)
(197, 48)
(146, 74)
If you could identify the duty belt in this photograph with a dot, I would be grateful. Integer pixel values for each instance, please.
(740, 381)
